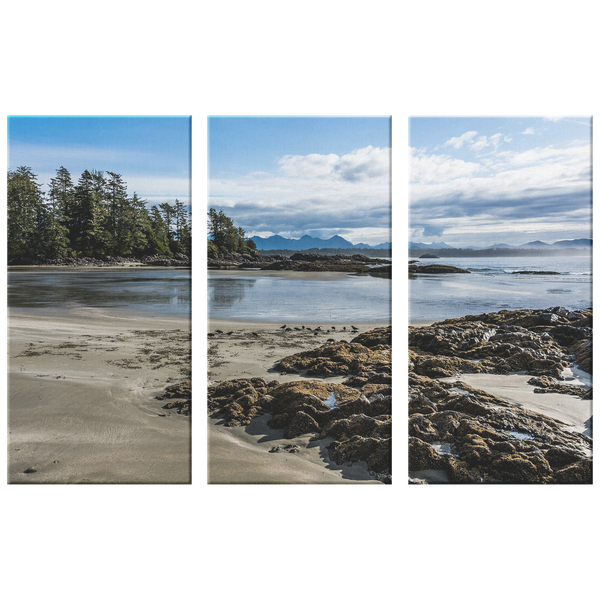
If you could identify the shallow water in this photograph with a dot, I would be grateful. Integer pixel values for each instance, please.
(492, 285)
(298, 297)
(162, 291)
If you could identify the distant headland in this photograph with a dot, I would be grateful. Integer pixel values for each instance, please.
(536, 248)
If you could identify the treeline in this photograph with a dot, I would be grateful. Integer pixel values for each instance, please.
(95, 217)
(499, 252)
(224, 236)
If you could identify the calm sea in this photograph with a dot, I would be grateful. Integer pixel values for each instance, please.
(492, 285)
(161, 291)
(298, 297)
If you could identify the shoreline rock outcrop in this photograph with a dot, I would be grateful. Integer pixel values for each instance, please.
(414, 269)
(475, 437)
(356, 264)
(177, 260)
(355, 414)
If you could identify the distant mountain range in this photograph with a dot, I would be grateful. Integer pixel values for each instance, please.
(277, 242)
(579, 243)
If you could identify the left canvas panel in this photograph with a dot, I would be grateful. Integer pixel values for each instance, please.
(99, 299)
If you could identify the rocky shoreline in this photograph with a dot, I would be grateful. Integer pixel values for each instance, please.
(353, 416)
(357, 264)
(471, 436)
(433, 269)
(177, 260)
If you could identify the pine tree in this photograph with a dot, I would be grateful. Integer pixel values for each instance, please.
(157, 238)
(62, 194)
(56, 237)
(87, 216)
(167, 215)
(24, 204)
(117, 205)
(182, 235)
(136, 224)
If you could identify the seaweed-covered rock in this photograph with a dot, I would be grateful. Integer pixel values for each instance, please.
(475, 437)
(300, 424)
(356, 414)
(339, 358)
(541, 342)
(380, 336)
(180, 396)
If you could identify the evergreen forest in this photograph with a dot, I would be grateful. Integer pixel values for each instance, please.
(224, 236)
(94, 217)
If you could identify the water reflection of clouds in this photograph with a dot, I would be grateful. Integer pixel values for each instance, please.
(140, 290)
(299, 299)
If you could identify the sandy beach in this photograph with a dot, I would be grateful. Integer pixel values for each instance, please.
(572, 410)
(243, 354)
(82, 398)
(241, 454)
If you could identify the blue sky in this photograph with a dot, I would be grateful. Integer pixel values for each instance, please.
(292, 176)
(485, 180)
(151, 153)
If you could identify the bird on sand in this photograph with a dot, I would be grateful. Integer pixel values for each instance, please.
(218, 331)
(229, 333)
(332, 327)
(355, 328)
(283, 327)
(331, 340)
(255, 334)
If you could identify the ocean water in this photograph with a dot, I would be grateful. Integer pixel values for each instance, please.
(161, 291)
(271, 296)
(492, 285)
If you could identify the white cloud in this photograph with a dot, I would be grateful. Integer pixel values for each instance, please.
(480, 144)
(314, 192)
(529, 131)
(477, 145)
(457, 142)
(365, 163)
(440, 168)
(311, 165)
(550, 187)
(496, 139)
(553, 118)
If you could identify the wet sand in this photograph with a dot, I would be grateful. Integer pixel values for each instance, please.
(243, 354)
(241, 454)
(82, 406)
(514, 388)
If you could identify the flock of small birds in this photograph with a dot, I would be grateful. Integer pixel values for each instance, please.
(316, 331)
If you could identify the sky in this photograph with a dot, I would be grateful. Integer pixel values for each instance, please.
(479, 181)
(295, 176)
(152, 154)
